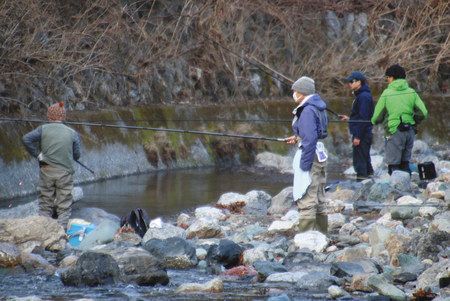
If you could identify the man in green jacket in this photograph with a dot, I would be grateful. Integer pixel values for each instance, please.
(400, 108)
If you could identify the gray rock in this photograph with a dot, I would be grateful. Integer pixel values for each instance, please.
(345, 269)
(429, 278)
(175, 252)
(317, 282)
(138, 266)
(92, 269)
(266, 268)
(334, 31)
(383, 287)
(94, 215)
(167, 230)
(9, 255)
(282, 202)
(441, 222)
(429, 245)
(204, 228)
(226, 253)
(404, 212)
(401, 180)
(258, 203)
(282, 297)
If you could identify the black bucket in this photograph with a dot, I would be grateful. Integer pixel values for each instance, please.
(427, 171)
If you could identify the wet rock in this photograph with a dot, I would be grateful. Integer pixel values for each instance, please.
(401, 180)
(242, 271)
(258, 202)
(92, 269)
(175, 252)
(290, 277)
(383, 287)
(210, 213)
(273, 161)
(346, 269)
(432, 276)
(26, 233)
(282, 297)
(441, 222)
(138, 266)
(316, 281)
(226, 253)
(266, 268)
(312, 240)
(213, 286)
(204, 228)
(335, 292)
(9, 255)
(102, 234)
(32, 262)
(68, 261)
(94, 215)
(282, 202)
(199, 154)
(166, 231)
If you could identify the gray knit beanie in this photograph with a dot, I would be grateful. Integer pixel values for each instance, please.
(304, 85)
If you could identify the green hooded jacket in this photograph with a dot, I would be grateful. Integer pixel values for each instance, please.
(399, 100)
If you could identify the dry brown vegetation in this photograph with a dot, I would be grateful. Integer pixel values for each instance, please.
(46, 45)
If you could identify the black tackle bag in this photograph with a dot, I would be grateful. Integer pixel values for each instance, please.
(137, 219)
(427, 171)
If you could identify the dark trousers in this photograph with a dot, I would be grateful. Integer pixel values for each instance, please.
(361, 158)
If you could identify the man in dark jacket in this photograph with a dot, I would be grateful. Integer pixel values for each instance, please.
(362, 110)
(55, 145)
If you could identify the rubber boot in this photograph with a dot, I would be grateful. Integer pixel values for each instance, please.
(404, 165)
(306, 224)
(322, 223)
(393, 167)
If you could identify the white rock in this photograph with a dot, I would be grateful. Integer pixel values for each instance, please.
(254, 254)
(291, 215)
(409, 200)
(427, 211)
(312, 240)
(336, 292)
(210, 212)
(166, 231)
(281, 226)
(213, 286)
(441, 222)
(231, 198)
(201, 253)
(291, 277)
(204, 228)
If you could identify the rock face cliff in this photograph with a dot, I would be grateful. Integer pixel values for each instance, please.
(96, 54)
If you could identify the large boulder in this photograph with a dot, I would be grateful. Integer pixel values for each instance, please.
(138, 266)
(175, 252)
(92, 269)
(273, 161)
(282, 202)
(94, 215)
(401, 180)
(102, 234)
(26, 233)
(226, 253)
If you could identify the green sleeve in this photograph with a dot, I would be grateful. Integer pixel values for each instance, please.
(418, 103)
(380, 108)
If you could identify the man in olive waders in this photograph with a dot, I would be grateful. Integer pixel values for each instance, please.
(55, 145)
(401, 108)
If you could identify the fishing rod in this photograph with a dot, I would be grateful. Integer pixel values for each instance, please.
(87, 168)
(216, 120)
(132, 127)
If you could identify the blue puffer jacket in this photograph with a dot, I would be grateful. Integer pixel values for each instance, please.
(362, 109)
(307, 127)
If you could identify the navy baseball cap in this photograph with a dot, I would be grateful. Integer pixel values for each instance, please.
(356, 75)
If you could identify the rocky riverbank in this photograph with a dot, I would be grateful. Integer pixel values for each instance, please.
(388, 239)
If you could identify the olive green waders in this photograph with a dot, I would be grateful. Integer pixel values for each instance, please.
(55, 187)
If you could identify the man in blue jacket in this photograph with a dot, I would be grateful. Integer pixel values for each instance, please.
(362, 110)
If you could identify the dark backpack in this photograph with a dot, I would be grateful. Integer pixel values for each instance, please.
(323, 123)
(137, 219)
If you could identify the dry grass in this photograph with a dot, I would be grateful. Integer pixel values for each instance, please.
(52, 43)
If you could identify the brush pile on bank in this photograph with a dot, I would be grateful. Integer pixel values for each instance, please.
(95, 54)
